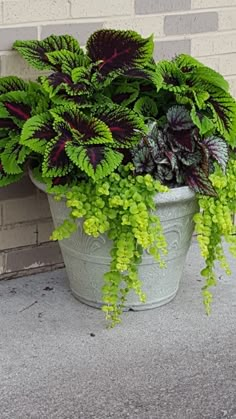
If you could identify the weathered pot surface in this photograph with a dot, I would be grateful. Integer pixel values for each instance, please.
(87, 258)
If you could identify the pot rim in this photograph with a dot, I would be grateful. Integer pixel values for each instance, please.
(182, 193)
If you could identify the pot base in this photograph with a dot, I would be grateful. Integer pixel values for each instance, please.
(129, 307)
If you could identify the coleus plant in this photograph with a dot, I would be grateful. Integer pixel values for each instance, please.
(19, 101)
(80, 127)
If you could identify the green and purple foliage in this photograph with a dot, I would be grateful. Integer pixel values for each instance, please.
(93, 108)
(176, 154)
(81, 127)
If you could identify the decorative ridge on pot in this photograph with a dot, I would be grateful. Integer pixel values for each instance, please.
(109, 129)
(182, 193)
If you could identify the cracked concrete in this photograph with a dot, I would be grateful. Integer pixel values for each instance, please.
(58, 361)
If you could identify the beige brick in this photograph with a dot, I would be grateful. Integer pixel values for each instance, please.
(97, 8)
(13, 64)
(24, 209)
(191, 23)
(2, 263)
(213, 44)
(145, 25)
(232, 83)
(227, 19)
(224, 64)
(9, 35)
(33, 257)
(80, 31)
(227, 64)
(158, 6)
(43, 207)
(15, 11)
(165, 50)
(201, 4)
(19, 189)
(44, 231)
(1, 17)
(17, 236)
(212, 62)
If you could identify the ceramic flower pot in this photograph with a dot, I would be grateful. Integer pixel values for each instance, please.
(87, 258)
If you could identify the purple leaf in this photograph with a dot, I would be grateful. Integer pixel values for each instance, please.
(7, 123)
(117, 50)
(183, 139)
(124, 124)
(18, 110)
(217, 149)
(86, 129)
(197, 180)
(179, 118)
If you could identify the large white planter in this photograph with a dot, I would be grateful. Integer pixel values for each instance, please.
(87, 258)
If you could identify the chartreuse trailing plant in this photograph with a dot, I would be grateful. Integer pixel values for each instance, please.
(121, 206)
(107, 128)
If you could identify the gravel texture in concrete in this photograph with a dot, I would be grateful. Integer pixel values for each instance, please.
(58, 361)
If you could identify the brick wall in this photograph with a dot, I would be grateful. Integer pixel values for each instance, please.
(204, 28)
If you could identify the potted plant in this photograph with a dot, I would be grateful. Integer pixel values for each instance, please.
(131, 153)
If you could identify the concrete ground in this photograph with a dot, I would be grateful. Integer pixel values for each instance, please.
(58, 361)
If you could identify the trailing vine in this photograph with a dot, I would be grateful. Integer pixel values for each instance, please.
(214, 225)
(123, 207)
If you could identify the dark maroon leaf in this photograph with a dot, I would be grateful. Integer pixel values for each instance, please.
(7, 123)
(197, 180)
(45, 132)
(57, 156)
(138, 73)
(60, 180)
(57, 78)
(183, 139)
(218, 149)
(86, 129)
(96, 155)
(18, 110)
(124, 124)
(117, 49)
(120, 97)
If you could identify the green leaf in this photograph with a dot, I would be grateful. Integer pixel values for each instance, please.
(66, 60)
(35, 52)
(223, 107)
(10, 156)
(11, 84)
(173, 79)
(96, 161)
(85, 130)
(203, 123)
(37, 132)
(201, 98)
(125, 94)
(6, 179)
(202, 75)
(146, 106)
